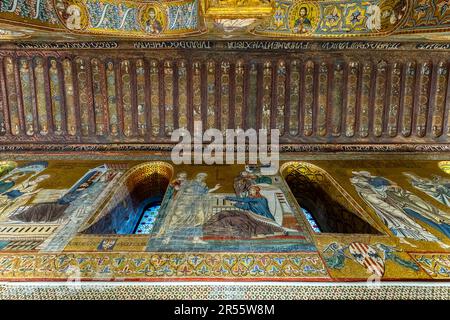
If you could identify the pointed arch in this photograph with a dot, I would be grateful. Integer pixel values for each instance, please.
(123, 207)
(334, 210)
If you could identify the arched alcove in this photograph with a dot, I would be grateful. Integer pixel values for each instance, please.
(320, 196)
(444, 166)
(140, 187)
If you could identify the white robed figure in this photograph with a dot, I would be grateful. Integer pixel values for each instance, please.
(379, 193)
(20, 195)
(437, 187)
(189, 210)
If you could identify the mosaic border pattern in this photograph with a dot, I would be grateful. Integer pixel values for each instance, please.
(284, 148)
(129, 291)
(162, 266)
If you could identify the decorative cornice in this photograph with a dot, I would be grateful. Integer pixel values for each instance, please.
(284, 148)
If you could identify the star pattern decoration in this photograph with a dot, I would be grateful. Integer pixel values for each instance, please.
(355, 17)
(332, 17)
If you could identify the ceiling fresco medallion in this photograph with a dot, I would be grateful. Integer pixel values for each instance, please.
(304, 17)
(153, 19)
(73, 14)
(330, 18)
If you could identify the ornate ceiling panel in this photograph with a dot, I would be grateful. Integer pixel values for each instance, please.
(265, 18)
(313, 92)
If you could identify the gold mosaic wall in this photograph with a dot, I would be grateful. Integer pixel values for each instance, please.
(406, 202)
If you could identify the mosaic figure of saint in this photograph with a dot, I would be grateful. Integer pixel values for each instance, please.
(189, 209)
(398, 208)
(170, 195)
(246, 179)
(179, 181)
(243, 182)
(9, 182)
(40, 96)
(26, 92)
(31, 169)
(153, 25)
(20, 195)
(436, 187)
(56, 211)
(254, 202)
(256, 211)
(303, 23)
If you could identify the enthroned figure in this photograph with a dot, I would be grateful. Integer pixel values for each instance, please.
(20, 195)
(254, 202)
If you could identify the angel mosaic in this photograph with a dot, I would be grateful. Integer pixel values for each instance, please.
(371, 257)
(436, 187)
(399, 209)
(80, 195)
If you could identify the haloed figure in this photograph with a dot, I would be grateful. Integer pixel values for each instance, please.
(398, 208)
(20, 195)
(179, 181)
(254, 202)
(152, 24)
(189, 209)
(303, 24)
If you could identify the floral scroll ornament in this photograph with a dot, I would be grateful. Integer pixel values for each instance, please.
(153, 18)
(73, 14)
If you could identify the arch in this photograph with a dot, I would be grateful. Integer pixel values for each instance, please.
(444, 166)
(122, 210)
(333, 209)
